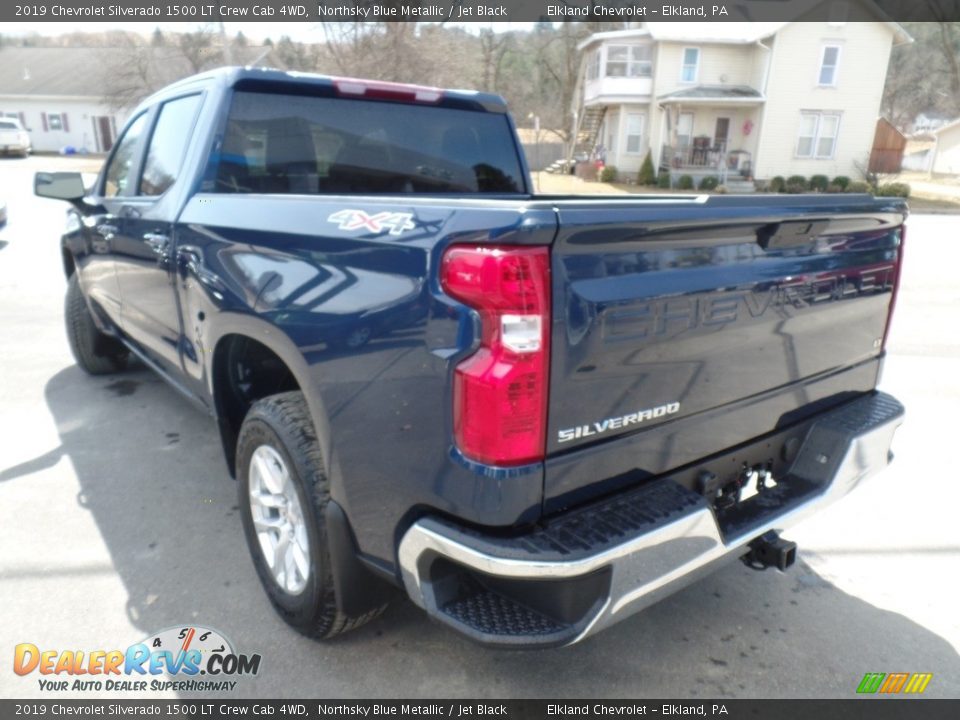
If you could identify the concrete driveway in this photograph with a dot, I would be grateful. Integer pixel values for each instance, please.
(119, 520)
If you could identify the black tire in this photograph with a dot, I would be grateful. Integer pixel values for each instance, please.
(283, 423)
(95, 352)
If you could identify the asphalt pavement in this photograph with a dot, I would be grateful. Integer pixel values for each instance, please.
(118, 519)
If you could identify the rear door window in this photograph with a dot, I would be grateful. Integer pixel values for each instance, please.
(309, 145)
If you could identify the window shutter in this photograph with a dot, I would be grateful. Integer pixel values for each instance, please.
(23, 121)
(66, 125)
(43, 117)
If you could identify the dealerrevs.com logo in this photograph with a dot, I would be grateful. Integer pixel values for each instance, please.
(179, 659)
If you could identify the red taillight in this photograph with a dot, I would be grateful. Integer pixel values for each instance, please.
(896, 285)
(500, 392)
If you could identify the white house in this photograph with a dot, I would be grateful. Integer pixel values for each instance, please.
(946, 152)
(737, 99)
(924, 123)
(81, 97)
(57, 95)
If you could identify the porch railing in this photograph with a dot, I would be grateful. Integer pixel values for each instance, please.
(706, 158)
(693, 156)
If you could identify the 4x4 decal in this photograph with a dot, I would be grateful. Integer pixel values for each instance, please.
(395, 222)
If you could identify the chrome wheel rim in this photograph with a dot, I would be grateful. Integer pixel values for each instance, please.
(278, 520)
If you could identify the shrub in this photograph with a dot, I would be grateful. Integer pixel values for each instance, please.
(835, 188)
(819, 182)
(663, 180)
(797, 180)
(685, 182)
(778, 184)
(708, 183)
(721, 190)
(795, 188)
(842, 180)
(894, 190)
(608, 174)
(647, 176)
(858, 186)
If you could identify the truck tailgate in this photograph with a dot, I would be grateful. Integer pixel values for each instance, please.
(682, 327)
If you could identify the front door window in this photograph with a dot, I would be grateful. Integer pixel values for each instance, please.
(684, 130)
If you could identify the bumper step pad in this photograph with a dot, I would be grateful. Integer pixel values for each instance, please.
(581, 571)
(490, 613)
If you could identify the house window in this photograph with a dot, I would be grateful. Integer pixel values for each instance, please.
(593, 68)
(818, 135)
(829, 64)
(635, 122)
(629, 61)
(54, 121)
(691, 65)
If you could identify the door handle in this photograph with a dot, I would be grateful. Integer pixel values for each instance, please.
(159, 244)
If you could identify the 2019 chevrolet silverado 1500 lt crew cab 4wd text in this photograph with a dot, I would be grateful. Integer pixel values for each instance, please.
(534, 415)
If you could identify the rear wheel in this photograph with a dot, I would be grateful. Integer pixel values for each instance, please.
(94, 351)
(283, 495)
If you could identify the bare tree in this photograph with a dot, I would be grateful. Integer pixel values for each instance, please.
(198, 49)
(924, 76)
(949, 47)
(493, 47)
(128, 76)
(559, 59)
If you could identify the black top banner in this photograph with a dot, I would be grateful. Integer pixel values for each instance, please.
(482, 11)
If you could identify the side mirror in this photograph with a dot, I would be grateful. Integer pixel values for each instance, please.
(59, 186)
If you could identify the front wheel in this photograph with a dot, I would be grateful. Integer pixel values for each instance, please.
(283, 494)
(95, 352)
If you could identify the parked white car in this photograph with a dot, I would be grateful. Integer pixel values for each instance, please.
(13, 138)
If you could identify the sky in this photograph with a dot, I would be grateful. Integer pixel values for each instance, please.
(299, 31)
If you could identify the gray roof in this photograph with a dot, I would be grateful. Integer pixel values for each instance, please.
(103, 72)
(714, 92)
(51, 71)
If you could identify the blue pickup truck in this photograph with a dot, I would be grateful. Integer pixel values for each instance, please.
(533, 415)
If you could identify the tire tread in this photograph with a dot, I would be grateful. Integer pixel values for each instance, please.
(84, 337)
(289, 415)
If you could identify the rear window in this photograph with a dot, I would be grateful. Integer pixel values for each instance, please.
(312, 145)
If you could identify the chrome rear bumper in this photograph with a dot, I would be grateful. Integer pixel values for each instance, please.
(498, 590)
